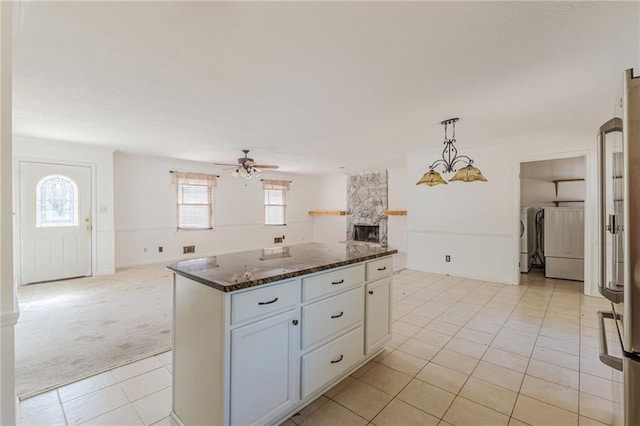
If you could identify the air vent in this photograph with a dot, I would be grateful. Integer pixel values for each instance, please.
(188, 249)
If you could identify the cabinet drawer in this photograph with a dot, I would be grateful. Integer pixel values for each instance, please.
(329, 361)
(379, 268)
(331, 282)
(262, 301)
(327, 317)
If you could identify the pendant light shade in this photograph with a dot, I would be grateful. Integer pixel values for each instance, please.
(431, 178)
(468, 174)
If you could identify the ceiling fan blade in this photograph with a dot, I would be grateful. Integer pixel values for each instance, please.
(226, 164)
(266, 166)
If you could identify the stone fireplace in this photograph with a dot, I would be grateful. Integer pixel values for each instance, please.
(367, 199)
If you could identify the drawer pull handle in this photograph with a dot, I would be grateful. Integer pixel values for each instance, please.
(370, 291)
(269, 302)
(339, 315)
(384, 268)
(337, 282)
(335, 361)
(295, 322)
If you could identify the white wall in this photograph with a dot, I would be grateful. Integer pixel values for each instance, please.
(331, 194)
(477, 223)
(397, 225)
(146, 213)
(100, 160)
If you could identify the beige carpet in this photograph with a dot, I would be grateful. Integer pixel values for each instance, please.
(74, 328)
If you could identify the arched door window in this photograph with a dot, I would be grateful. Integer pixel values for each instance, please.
(56, 202)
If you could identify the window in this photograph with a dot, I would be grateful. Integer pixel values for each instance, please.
(56, 202)
(194, 194)
(275, 202)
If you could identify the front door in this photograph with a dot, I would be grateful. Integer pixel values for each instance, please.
(55, 221)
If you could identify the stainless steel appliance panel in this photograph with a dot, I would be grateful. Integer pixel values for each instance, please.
(631, 137)
(619, 222)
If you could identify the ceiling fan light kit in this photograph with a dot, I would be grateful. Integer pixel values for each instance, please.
(247, 172)
(449, 160)
(247, 168)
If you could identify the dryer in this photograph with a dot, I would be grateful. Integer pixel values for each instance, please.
(527, 238)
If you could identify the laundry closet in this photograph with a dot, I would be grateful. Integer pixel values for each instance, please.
(552, 194)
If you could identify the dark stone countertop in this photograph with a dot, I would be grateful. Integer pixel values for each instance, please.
(236, 271)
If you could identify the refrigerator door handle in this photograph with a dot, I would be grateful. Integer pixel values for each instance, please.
(612, 227)
(610, 360)
(613, 294)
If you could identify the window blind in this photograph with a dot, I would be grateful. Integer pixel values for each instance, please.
(194, 200)
(275, 207)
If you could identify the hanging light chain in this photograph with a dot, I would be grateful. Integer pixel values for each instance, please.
(445, 132)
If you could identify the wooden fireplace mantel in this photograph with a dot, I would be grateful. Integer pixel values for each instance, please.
(327, 213)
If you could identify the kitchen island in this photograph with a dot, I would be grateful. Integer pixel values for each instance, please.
(260, 334)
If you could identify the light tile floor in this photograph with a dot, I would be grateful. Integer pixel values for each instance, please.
(463, 352)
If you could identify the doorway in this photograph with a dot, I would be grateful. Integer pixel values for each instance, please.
(55, 220)
(552, 213)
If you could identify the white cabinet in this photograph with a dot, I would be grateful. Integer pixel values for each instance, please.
(379, 268)
(329, 361)
(332, 281)
(263, 301)
(265, 368)
(377, 313)
(329, 316)
(255, 356)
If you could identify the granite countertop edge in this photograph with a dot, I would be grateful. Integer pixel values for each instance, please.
(226, 288)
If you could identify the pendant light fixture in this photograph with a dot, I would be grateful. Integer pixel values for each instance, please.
(449, 160)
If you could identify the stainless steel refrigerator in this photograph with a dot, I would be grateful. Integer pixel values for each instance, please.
(619, 207)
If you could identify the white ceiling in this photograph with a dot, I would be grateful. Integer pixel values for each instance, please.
(314, 86)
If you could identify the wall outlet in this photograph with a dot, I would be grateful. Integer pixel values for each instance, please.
(160, 249)
(447, 258)
(277, 240)
(188, 249)
(144, 249)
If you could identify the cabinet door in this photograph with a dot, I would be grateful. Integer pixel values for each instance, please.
(265, 369)
(377, 313)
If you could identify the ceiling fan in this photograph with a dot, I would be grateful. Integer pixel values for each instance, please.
(246, 167)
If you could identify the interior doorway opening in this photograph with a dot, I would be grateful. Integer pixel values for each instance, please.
(552, 219)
